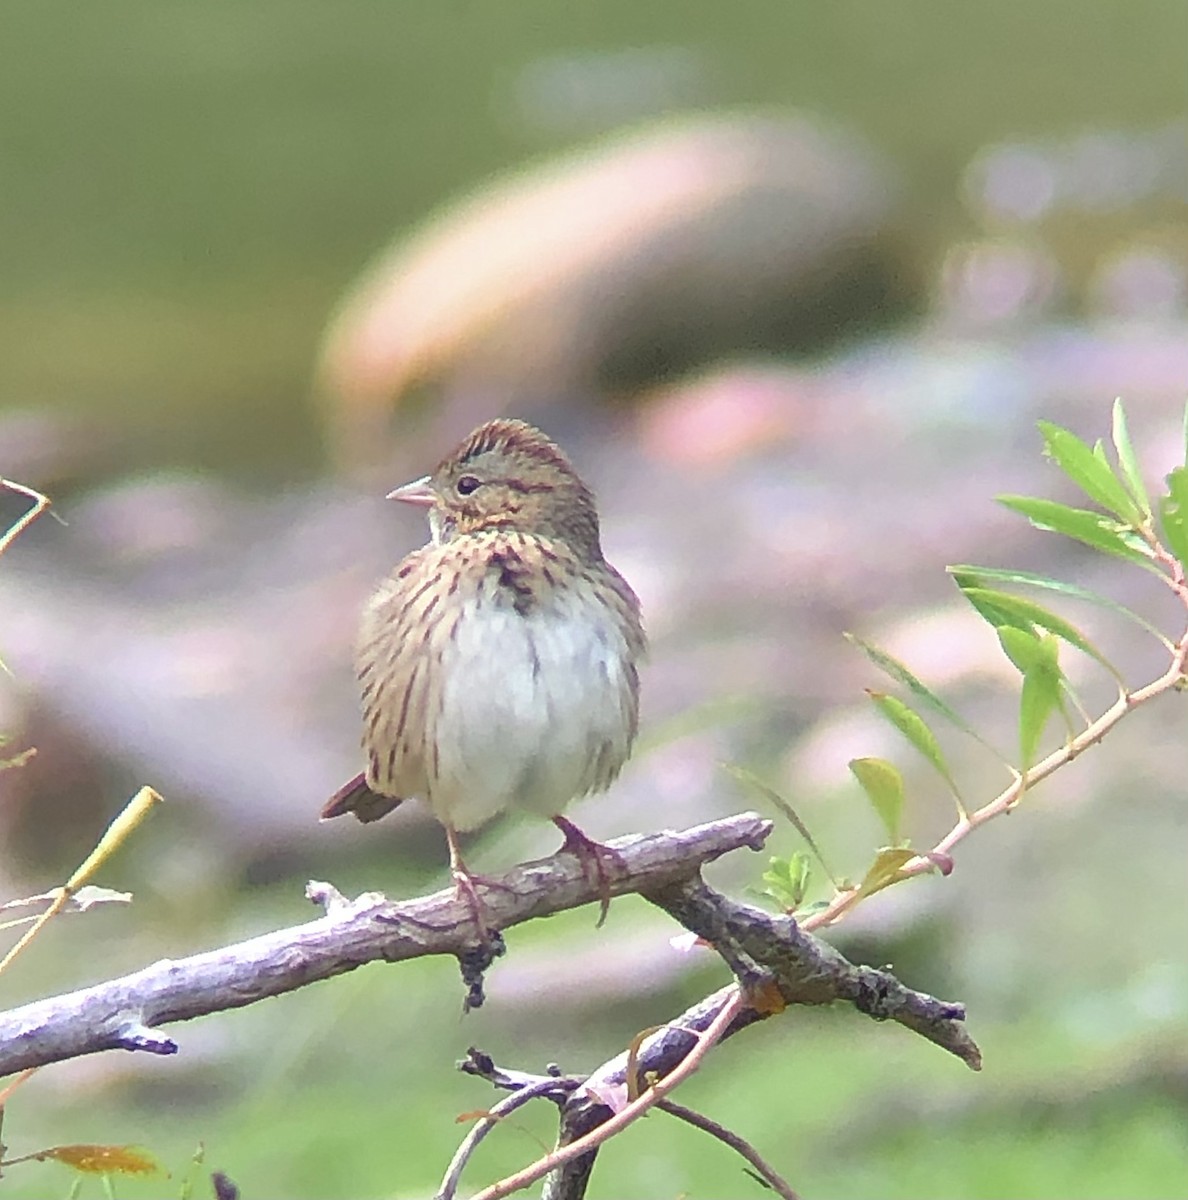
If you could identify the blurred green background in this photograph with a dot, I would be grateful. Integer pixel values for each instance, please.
(189, 187)
(188, 190)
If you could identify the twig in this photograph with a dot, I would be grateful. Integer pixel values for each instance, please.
(557, 1087)
(9, 1088)
(1127, 702)
(741, 1145)
(448, 1188)
(780, 963)
(588, 1107)
(113, 838)
(40, 504)
(482, 1066)
(734, 1005)
(759, 945)
(123, 1013)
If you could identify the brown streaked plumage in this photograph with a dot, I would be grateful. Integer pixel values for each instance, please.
(499, 663)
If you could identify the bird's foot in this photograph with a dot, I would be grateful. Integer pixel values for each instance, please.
(466, 890)
(595, 858)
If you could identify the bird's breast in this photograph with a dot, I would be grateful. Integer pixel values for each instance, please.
(538, 690)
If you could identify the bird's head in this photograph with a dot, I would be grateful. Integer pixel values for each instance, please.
(507, 475)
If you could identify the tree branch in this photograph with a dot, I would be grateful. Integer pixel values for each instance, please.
(578, 1148)
(764, 948)
(126, 1013)
(736, 1143)
(773, 959)
(546, 1086)
(775, 963)
(768, 954)
(40, 504)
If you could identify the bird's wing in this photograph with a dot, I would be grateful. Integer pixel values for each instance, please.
(398, 661)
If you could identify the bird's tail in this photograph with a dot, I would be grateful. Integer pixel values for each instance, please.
(356, 797)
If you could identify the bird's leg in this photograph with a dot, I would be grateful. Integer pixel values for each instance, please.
(594, 858)
(464, 885)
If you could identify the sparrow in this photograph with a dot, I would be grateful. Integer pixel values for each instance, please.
(499, 663)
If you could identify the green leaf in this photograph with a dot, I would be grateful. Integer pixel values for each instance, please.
(916, 730)
(1036, 705)
(1173, 514)
(1131, 473)
(982, 600)
(1090, 471)
(1021, 647)
(751, 780)
(1038, 660)
(897, 671)
(787, 880)
(1030, 613)
(885, 870)
(978, 575)
(883, 785)
(1082, 525)
(799, 872)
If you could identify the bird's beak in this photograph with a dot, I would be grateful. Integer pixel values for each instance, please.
(419, 492)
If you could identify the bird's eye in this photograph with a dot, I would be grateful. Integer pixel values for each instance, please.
(467, 484)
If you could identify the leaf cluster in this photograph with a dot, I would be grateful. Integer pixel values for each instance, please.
(1125, 522)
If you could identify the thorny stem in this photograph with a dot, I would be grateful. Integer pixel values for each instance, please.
(1127, 701)
(626, 1116)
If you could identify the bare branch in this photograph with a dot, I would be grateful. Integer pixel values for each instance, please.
(772, 958)
(734, 1003)
(767, 952)
(761, 947)
(40, 504)
(732, 1139)
(541, 1087)
(113, 837)
(124, 1013)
